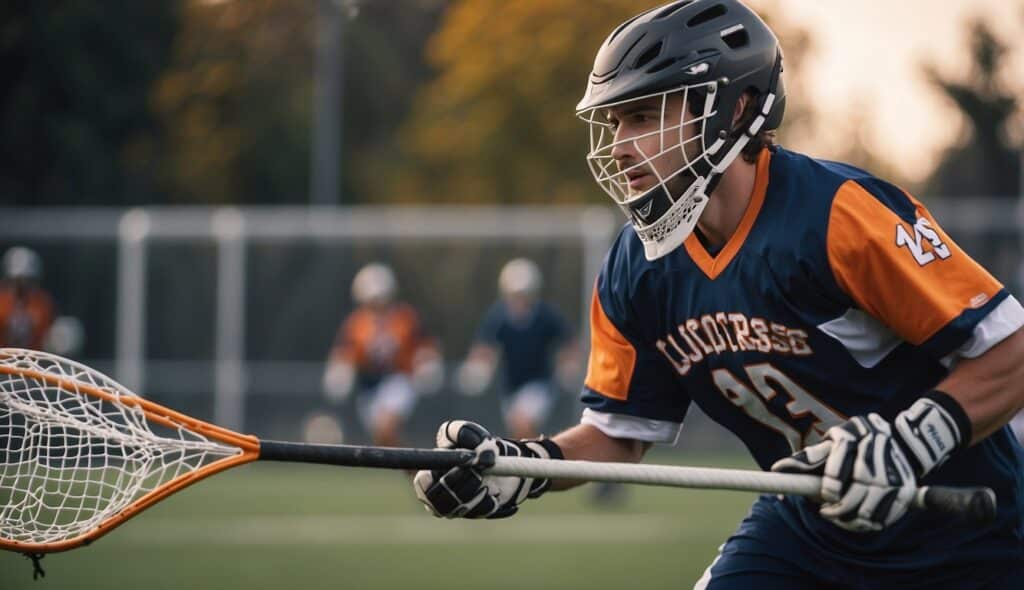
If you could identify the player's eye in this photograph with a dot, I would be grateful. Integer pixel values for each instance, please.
(642, 118)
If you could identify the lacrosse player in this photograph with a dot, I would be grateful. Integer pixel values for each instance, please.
(26, 309)
(816, 311)
(524, 333)
(381, 355)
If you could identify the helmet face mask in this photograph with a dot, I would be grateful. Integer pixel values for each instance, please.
(673, 153)
(703, 54)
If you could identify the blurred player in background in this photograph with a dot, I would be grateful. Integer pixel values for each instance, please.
(381, 355)
(523, 334)
(816, 311)
(26, 309)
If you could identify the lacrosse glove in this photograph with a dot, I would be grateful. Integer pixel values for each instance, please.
(464, 492)
(870, 467)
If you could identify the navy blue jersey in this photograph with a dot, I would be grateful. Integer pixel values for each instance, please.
(526, 343)
(838, 295)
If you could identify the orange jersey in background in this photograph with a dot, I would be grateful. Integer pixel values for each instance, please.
(25, 319)
(380, 341)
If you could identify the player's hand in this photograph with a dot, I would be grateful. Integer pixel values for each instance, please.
(473, 377)
(865, 462)
(867, 483)
(464, 492)
(427, 373)
(338, 381)
(929, 433)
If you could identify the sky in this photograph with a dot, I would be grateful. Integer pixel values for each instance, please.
(870, 52)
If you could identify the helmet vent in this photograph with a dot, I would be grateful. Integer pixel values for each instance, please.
(648, 55)
(708, 15)
(670, 10)
(736, 37)
(661, 65)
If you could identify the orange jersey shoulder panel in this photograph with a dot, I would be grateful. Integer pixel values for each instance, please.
(612, 357)
(912, 277)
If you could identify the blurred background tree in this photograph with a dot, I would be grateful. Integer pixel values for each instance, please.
(496, 123)
(209, 101)
(74, 116)
(985, 161)
(236, 101)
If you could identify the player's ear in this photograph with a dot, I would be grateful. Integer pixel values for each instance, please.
(740, 108)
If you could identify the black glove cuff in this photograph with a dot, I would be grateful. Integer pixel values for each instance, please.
(554, 451)
(955, 411)
(539, 486)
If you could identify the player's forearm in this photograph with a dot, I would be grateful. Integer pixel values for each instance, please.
(990, 388)
(586, 443)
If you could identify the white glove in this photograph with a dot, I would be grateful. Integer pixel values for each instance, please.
(473, 377)
(338, 381)
(867, 483)
(930, 433)
(464, 492)
(869, 472)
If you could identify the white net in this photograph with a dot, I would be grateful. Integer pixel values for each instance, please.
(73, 454)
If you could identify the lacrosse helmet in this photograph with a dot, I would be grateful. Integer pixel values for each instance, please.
(710, 52)
(374, 284)
(520, 276)
(22, 263)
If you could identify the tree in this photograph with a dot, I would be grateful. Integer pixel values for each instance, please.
(236, 102)
(74, 113)
(496, 123)
(984, 162)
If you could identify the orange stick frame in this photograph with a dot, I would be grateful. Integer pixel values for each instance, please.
(247, 444)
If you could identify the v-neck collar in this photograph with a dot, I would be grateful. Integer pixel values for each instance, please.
(712, 266)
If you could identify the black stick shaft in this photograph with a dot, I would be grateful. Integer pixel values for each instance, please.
(359, 456)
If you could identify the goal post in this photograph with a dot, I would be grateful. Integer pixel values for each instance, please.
(233, 239)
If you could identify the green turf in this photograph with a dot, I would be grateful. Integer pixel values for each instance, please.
(277, 527)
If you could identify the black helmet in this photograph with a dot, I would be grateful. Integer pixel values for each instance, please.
(712, 52)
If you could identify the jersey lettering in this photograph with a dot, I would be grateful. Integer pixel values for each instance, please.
(695, 340)
(922, 231)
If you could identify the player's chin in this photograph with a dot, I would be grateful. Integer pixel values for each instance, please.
(679, 184)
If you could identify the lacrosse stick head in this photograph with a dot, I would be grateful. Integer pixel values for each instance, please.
(80, 454)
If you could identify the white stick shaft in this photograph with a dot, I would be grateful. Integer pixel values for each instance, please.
(661, 475)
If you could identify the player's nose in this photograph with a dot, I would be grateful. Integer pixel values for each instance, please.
(623, 152)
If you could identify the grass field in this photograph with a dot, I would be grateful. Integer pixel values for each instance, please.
(273, 527)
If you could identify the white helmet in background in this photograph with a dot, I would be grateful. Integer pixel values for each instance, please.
(374, 284)
(22, 263)
(520, 277)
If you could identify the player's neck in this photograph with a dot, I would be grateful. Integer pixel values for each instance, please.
(728, 203)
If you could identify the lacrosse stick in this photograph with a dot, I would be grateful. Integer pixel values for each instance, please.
(80, 455)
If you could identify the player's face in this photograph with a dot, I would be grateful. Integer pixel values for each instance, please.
(519, 304)
(651, 144)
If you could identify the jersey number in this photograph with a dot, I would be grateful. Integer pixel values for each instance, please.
(769, 382)
(922, 231)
